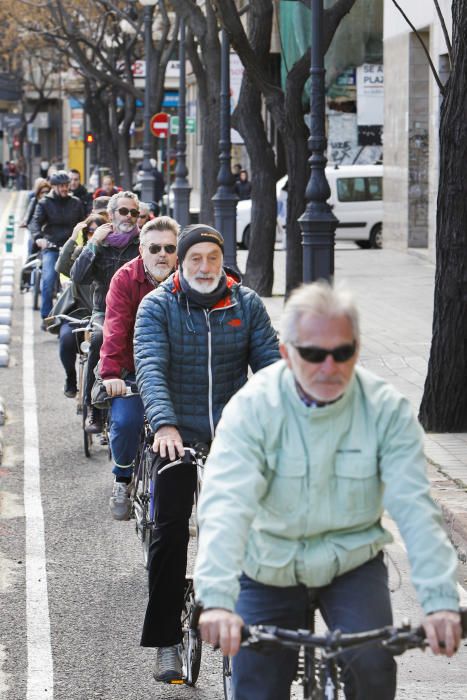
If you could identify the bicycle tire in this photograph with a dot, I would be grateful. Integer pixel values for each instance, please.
(87, 438)
(148, 491)
(191, 641)
(227, 678)
(36, 289)
(142, 500)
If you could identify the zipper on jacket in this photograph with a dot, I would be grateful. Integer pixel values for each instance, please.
(211, 419)
(208, 322)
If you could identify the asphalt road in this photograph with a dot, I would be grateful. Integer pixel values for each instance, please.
(95, 582)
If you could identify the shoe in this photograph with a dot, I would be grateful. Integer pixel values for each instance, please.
(168, 664)
(93, 421)
(119, 502)
(70, 389)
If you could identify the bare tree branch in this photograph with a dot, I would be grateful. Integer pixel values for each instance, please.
(447, 38)
(427, 53)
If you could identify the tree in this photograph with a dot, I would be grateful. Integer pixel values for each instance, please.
(444, 402)
(286, 107)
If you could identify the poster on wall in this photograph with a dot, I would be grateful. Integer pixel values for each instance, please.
(370, 104)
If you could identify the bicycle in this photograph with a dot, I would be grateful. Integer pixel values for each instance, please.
(143, 509)
(31, 276)
(320, 675)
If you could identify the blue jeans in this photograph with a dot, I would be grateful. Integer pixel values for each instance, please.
(354, 602)
(126, 421)
(69, 348)
(49, 258)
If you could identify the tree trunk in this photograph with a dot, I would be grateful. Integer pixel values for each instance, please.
(444, 403)
(248, 120)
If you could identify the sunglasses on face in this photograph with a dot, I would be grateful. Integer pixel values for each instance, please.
(123, 211)
(317, 355)
(155, 248)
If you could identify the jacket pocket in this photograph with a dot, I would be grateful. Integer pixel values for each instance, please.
(358, 487)
(286, 477)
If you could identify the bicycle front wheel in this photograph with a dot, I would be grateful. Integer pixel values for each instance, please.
(36, 289)
(191, 643)
(227, 678)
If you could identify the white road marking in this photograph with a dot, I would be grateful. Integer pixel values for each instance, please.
(392, 527)
(40, 664)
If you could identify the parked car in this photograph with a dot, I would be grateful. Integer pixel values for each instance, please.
(356, 199)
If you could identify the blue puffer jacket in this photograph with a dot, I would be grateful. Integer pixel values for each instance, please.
(191, 361)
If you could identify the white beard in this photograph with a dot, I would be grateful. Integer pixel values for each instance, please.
(202, 287)
(123, 227)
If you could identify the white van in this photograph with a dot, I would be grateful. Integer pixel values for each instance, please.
(356, 200)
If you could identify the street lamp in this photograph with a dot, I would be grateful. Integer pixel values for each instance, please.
(225, 199)
(318, 223)
(181, 188)
(147, 181)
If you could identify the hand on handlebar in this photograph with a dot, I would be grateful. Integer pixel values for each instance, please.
(42, 243)
(221, 628)
(115, 387)
(168, 442)
(443, 626)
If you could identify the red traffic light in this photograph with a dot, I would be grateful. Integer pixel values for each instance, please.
(89, 138)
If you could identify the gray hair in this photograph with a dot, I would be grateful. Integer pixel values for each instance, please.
(144, 208)
(317, 299)
(113, 201)
(160, 223)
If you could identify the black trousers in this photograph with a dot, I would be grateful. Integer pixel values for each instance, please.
(173, 496)
(95, 345)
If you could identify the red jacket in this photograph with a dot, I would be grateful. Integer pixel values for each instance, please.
(128, 286)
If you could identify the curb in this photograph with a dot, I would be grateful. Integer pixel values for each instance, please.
(452, 499)
(2, 422)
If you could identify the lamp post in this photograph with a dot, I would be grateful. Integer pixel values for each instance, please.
(181, 188)
(318, 223)
(225, 199)
(147, 181)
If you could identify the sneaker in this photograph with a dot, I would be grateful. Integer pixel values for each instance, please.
(168, 664)
(119, 502)
(70, 389)
(93, 421)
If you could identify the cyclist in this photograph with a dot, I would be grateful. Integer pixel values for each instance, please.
(195, 337)
(54, 218)
(135, 279)
(75, 301)
(111, 246)
(304, 459)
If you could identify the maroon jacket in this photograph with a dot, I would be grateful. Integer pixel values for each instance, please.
(127, 287)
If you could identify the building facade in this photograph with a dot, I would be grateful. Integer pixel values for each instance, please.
(411, 122)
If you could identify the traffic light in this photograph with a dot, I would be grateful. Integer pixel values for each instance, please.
(89, 138)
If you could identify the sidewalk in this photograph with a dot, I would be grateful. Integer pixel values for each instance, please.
(394, 292)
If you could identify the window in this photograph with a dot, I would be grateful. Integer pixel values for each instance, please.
(359, 189)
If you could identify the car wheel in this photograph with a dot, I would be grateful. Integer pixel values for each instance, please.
(246, 238)
(376, 237)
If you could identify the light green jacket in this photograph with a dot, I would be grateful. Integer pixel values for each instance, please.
(295, 494)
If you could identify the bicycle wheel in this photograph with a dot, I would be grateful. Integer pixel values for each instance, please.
(227, 678)
(191, 642)
(36, 289)
(87, 438)
(142, 501)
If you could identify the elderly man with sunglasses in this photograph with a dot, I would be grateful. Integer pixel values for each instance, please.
(130, 284)
(112, 245)
(305, 457)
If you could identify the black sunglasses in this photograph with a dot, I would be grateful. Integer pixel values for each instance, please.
(155, 248)
(317, 355)
(123, 211)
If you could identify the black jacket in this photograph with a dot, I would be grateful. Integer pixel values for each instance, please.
(97, 264)
(55, 217)
(85, 197)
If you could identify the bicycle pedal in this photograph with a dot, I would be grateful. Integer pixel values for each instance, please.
(178, 681)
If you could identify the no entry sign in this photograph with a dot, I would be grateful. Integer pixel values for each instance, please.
(159, 124)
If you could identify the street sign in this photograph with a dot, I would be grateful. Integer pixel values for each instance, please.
(159, 124)
(190, 125)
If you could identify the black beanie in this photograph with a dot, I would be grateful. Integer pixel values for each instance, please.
(197, 233)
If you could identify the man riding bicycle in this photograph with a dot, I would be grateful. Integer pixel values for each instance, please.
(195, 337)
(305, 457)
(156, 261)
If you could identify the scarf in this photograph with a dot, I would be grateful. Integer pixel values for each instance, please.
(206, 301)
(121, 240)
